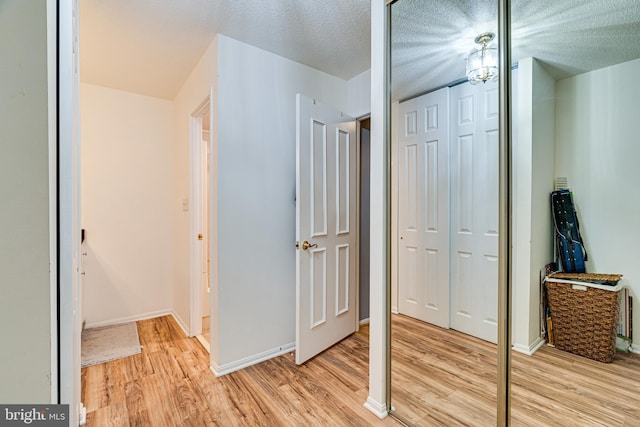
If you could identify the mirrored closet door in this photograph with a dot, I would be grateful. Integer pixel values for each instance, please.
(574, 107)
(445, 212)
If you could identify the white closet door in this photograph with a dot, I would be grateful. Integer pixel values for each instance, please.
(474, 209)
(423, 197)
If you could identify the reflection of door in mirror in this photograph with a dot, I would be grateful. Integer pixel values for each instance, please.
(574, 107)
(444, 326)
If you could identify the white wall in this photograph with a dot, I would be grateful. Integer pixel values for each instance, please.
(126, 204)
(597, 150)
(256, 189)
(359, 93)
(25, 304)
(533, 181)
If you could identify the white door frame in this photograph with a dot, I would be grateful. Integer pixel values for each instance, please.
(67, 296)
(197, 210)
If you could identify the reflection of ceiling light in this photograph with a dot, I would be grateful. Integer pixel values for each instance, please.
(482, 63)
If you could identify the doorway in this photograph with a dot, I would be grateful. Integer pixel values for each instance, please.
(200, 147)
(364, 130)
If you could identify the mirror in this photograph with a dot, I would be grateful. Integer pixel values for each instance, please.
(445, 216)
(575, 99)
(573, 108)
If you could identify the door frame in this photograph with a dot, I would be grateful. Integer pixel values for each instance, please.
(359, 128)
(197, 210)
(64, 174)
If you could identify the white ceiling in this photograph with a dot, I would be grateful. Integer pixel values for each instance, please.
(432, 38)
(150, 46)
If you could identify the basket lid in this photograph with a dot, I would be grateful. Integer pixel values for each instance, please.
(603, 279)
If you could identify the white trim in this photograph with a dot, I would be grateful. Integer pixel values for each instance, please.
(204, 343)
(230, 367)
(358, 161)
(364, 321)
(379, 311)
(180, 323)
(635, 348)
(195, 223)
(52, 83)
(135, 318)
(379, 409)
(197, 200)
(68, 224)
(395, 208)
(531, 348)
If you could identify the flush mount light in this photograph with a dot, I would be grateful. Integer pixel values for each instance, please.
(482, 63)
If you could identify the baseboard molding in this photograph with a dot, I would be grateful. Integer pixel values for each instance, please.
(364, 321)
(394, 310)
(132, 318)
(180, 323)
(635, 348)
(531, 348)
(379, 409)
(204, 343)
(230, 367)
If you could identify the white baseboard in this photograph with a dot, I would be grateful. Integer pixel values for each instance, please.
(394, 310)
(531, 348)
(180, 323)
(204, 343)
(635, 348)
(132, 318)
(364, 321)
(379, 409)
(227, 368)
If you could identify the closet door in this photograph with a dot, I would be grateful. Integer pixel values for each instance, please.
(474, 209)
(423, 208)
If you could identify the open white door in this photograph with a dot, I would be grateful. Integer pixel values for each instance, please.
(325, 227)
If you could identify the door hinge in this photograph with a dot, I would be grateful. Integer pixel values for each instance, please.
(297, 245)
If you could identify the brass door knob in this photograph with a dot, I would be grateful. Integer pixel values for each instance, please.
(306, 245)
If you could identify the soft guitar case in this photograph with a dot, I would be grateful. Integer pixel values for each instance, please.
(571, 251)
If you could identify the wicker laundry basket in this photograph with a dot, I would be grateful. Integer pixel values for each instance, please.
(585, 313)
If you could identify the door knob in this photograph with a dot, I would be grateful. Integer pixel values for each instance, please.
(306, 245)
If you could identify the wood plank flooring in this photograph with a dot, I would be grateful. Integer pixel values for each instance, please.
(446, 378)
(170, 384)
(439, 378)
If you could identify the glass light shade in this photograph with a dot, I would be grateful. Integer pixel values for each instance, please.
(482, 65)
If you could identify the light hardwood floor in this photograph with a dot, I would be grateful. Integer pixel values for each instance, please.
(446, 378)
(170, 384)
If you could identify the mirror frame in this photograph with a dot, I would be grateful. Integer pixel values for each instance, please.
(381, 107)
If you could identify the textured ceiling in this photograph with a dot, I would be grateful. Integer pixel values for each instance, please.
(431, 39)
(151, 46)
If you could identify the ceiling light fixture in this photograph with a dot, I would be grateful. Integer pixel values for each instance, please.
(482, 63)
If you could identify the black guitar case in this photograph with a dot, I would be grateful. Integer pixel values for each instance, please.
(570, 247)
